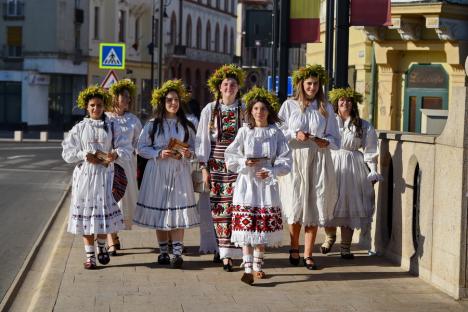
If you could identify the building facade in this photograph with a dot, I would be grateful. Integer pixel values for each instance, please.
(42, 65)
(406, 71)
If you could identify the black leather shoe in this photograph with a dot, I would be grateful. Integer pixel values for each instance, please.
(217, 258)
(164, 259)
(176, 262)
(227, 267)
(292, 260)
(311, 265)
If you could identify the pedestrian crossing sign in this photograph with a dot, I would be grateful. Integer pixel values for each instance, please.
(112, 55)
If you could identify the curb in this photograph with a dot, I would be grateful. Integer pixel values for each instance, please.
(10, 295)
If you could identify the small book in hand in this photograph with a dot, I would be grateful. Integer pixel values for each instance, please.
(103, 157)
(257, 158)
(177, 146)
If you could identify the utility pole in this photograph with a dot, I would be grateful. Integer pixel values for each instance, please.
(329, 42)
(151, 49)
(274, 45)
(284, 50)
(342, 43)
(160, 43)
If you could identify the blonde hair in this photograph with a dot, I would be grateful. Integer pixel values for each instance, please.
(304, 102)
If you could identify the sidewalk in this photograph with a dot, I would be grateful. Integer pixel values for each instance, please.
(133, 282)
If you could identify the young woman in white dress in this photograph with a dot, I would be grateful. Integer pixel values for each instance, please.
(93, 209)
(308, 193)
(166, 201)
(259, 154)
(123, 97)
(219, 122)
(356, 171)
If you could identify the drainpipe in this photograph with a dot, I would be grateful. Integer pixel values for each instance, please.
(373, 93)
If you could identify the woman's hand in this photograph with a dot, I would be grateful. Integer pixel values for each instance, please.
(206, 178)
(251, 162)
(301, 136)
(165, 154)
(112, 156)
(186, 153)
(262, 174)
(321, 142)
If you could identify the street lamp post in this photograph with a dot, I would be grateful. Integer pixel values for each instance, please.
(160, 43)
(151, 49)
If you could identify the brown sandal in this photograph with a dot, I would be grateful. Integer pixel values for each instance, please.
(259, 274)
(247, 278)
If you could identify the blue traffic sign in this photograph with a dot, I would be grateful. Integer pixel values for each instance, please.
(270, 84)
(112, 56)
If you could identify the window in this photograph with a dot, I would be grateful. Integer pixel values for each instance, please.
(233, 6)
(122, 22)
(218, 3)
(14, 8)
(208, 36)
(188, 76)
(96, 23)
(225, 40)
(188, 32)
(137, 33)
(226, 5)
(199, 35)
(14, 41)
(217, 38)
(232, 42)
(173, 29)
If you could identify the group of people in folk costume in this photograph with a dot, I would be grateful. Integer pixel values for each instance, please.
(308, 162)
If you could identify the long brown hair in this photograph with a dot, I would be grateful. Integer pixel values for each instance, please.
(354, 118)
(304, 102)
(115, 100)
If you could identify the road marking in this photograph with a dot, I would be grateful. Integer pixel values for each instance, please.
(15, 161)
(34, 170)
(21, 156)
(29, 148)
(43, 163)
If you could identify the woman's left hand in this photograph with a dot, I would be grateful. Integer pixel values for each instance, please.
(321, 142)
(186, 153)
(262, 174)
(112, 156)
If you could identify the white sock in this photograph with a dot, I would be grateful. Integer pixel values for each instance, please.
(258, 260)
(101, 245)
(163, 248)
(90, 254)
(177, 248)
(248, 259)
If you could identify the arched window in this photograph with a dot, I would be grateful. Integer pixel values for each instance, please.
(188, 76)
(216, 47)
(232, 42)
(225, 40)
(198, 35)
(208, 36)
(196, 86)
(188, 32)
(173, 29)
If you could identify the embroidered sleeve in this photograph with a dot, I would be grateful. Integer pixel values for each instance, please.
(145, 149)
(202, 139)
(332, 132)
(235, 155)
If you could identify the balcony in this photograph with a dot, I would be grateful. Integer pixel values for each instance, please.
(13, 10)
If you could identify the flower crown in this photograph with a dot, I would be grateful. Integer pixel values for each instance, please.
(225, 71)
(170, 85)
(121, 85)
(92, 92)
(308, 71)
(262, 95)
(348, 93)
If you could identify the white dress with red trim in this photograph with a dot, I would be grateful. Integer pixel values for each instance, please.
(256, 216)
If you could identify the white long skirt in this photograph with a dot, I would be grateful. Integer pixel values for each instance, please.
(166, 200)
(207, 235)
(309, 193)
(355, 204)
(93, 209)
(128, 202)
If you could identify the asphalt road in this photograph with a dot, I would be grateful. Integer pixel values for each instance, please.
(33, 177)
